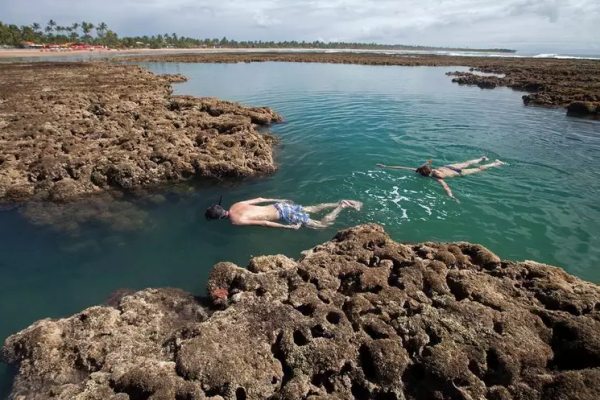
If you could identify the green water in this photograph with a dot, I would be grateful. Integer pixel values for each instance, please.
(340, 121)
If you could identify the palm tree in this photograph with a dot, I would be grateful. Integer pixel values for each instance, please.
(59, 29)
(101, 28)
(87, 27)
(74, 32)
(50, 26)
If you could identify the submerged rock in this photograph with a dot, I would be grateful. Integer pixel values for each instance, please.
(359, 317)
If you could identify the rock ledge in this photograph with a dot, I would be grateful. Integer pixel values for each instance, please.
(359, 317)
(72, 129)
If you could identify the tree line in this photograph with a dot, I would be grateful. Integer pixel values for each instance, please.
(100, 34)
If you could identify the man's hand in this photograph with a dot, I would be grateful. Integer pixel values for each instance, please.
(380, 165)
(294, 226)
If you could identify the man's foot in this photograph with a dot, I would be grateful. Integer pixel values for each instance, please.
(357, 205)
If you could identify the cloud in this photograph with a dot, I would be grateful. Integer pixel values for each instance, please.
(471, 23)
(263, 20)
(547, 9)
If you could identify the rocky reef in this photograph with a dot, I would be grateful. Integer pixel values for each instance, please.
(570, 83)
(72, 129)
(358, 317)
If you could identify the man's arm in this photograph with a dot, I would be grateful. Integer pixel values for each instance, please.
(446, 187)
(395, 167)
(263, 200)
(269, 224)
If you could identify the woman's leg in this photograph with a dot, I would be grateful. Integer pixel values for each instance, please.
(469, 171)
(465, 164)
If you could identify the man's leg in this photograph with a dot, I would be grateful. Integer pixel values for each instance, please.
(324, 206)
(481, 168)
(465, 164)
(329, 218)
(320, 207)
(315, 224)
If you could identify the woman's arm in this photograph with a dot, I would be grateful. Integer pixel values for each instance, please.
(395, 167)
(446, 188)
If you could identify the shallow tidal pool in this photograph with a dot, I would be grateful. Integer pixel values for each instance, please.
(340, 120)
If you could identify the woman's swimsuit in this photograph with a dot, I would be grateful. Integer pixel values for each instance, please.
(453, 168)
(291, 213)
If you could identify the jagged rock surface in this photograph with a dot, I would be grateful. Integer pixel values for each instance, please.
(358, 317)
(70, 129)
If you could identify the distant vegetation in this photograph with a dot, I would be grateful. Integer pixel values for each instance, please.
(100, 34)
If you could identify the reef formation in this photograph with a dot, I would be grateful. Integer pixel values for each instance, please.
(360, 316)
(73, 129)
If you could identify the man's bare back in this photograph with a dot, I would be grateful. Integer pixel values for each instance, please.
(243, 212)
(292, 215)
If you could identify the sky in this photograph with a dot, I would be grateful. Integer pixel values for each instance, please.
(568, 26)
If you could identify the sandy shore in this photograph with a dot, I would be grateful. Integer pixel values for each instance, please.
(36, 53)
(26, 53)
(14, 53)
(7, 54)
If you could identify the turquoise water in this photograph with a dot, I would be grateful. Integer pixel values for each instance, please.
(340, 121)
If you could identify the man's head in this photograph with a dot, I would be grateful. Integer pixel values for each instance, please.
(424, 170)
(215, 212)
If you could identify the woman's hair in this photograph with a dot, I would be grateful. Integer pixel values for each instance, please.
(424, 170)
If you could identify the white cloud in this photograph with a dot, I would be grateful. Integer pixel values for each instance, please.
(512, 23)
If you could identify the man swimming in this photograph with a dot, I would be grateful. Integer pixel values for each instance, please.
(449, 170)
(289, 215)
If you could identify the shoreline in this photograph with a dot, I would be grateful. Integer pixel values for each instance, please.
(37, 53)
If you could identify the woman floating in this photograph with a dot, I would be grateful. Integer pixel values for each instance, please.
(449, 170)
